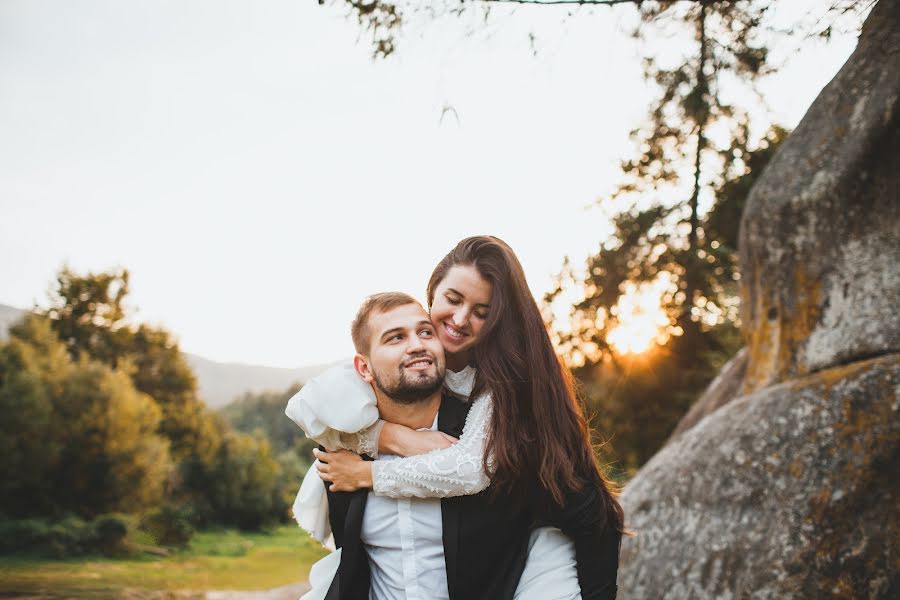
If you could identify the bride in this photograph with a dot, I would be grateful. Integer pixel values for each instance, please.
(524, 423)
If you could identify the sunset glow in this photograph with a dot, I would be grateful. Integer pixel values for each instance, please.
(641, 319)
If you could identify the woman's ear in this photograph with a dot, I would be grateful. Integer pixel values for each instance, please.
(361, 364)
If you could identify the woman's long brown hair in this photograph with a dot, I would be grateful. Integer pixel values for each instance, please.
(537, 426)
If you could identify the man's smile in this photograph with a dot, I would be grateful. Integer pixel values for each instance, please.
(419, 364)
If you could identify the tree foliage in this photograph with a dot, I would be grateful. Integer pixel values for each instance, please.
(262, 415)
(89, 315)
(103, 415)
(77, 436)
(263, 412)
(385, 20)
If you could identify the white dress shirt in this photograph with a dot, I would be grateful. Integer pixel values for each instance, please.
(403, 538)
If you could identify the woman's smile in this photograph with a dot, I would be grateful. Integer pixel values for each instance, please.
(454, 333)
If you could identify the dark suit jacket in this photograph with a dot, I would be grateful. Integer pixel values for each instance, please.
(485, 537)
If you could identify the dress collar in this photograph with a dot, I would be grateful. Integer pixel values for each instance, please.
(462, 382)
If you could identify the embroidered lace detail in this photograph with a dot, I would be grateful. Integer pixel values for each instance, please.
(461, 383)
(364, 441)
(454, 471)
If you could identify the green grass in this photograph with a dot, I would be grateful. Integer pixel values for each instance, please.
(220, 560)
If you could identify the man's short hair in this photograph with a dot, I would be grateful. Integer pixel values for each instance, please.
(376, 303)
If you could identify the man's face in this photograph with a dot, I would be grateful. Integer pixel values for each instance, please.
(406, 359)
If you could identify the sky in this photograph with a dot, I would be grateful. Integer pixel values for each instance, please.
(259, 174)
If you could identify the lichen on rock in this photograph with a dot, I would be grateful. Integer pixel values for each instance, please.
(788, 492)
(820, 236)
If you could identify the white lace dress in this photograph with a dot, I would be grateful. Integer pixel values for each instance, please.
(338, 410)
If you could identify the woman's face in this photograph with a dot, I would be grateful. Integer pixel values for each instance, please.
(460, 308)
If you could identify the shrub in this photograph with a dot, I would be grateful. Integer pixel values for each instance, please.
(69, 537)
(110, 533)
(169, 526)
(22, 535)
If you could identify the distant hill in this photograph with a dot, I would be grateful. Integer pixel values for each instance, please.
(8, 316)
(219, 382)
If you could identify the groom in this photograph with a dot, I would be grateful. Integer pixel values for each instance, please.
(468, 547)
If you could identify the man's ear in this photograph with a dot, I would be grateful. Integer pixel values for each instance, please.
(361, 364)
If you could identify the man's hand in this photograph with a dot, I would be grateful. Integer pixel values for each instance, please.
(403, 441)
(346, 471)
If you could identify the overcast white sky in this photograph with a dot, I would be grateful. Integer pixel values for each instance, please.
(259, 174)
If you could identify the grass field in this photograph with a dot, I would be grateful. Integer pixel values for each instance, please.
(223, 560)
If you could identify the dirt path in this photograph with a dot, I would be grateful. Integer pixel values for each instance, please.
(287, 592)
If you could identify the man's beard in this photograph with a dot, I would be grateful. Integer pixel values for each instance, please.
(408, 391)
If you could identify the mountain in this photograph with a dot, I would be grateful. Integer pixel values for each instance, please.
(8, 316)
(219, 382)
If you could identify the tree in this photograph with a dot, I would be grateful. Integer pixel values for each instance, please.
(264, 412)
(89, 315)
(262, 415)
(113, 460)
(77, 437)
(108, 402)
(385, 19)
(245, 483)
(675, 215)
(639, 397)
(33, 368)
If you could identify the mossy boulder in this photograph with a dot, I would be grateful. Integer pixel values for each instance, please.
(789, 492)
(819, 243)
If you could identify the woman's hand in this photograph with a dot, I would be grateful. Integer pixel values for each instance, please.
(346, 471)
(403, 441)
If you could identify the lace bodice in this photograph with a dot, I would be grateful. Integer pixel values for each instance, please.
(454, 471)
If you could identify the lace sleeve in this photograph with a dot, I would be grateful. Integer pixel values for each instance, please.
(364, 441)
(454, 471)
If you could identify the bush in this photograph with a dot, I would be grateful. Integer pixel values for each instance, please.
(22, 535)
(110, 533)
(169, 526)
(69, 537)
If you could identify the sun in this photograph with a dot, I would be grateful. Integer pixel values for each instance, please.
(642, 320)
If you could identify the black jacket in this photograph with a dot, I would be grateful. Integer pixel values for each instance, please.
(485, 538)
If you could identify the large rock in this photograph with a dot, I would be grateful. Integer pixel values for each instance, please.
(783, 481)
(790, 492)
(719, 392)
(820, 236)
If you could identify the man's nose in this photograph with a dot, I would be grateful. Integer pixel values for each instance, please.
(415, 344)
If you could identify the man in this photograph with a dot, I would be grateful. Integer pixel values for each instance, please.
(456, 548)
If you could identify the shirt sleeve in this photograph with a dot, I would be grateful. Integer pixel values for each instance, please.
(454, 471)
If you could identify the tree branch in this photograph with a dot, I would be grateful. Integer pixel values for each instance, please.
(582, 2)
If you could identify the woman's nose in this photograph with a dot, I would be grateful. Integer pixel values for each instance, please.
(460, 318)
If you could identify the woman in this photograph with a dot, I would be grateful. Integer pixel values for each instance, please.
(524, 424)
